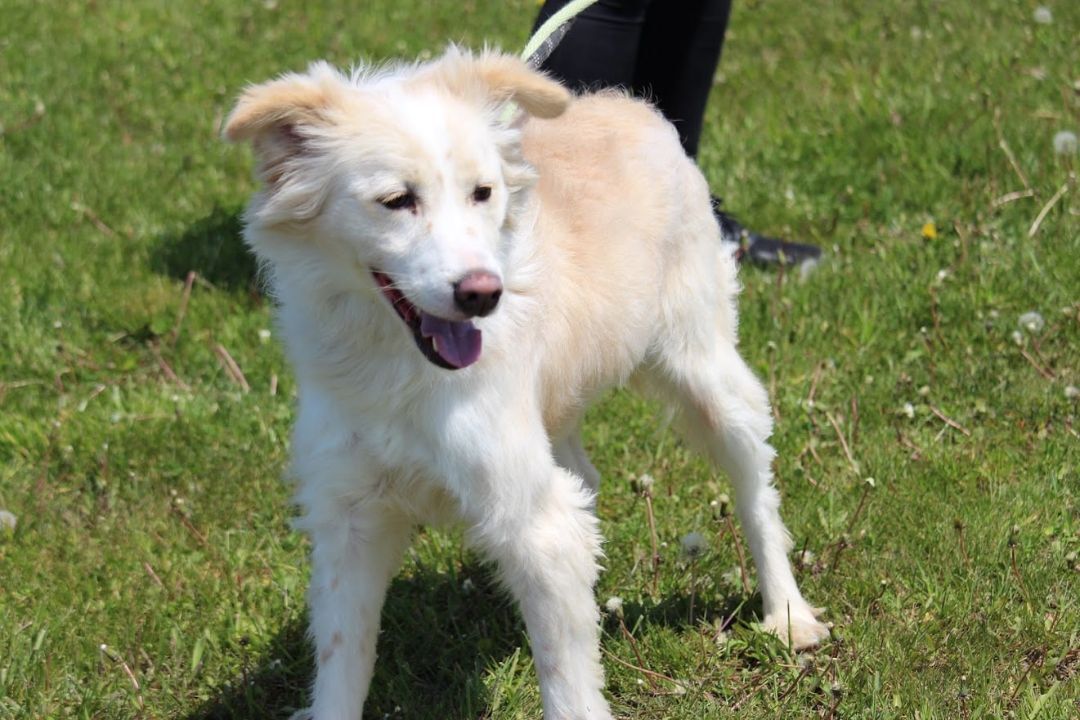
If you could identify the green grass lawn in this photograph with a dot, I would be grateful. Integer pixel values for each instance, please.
(153, 572)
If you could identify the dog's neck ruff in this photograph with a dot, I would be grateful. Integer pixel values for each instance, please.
(450, 344)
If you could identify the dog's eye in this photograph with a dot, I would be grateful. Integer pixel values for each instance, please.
(399, 201)
(482, 193)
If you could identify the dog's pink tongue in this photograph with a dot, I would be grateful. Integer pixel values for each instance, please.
(458, 343)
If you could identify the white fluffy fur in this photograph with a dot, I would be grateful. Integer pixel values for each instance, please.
(602, 233)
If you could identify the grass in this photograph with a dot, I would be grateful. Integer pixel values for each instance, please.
(153, 573)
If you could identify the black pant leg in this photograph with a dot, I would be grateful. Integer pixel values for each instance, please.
(677, 57)
(601, 48)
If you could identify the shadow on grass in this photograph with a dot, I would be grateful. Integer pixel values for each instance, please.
(213, 247)
(438, 641)
(436, 644)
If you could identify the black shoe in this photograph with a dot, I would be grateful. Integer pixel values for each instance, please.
(759, 248)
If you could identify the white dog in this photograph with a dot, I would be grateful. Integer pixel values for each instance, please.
(454, 289)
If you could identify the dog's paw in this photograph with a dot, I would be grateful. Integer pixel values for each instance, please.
(304, 714)
(804, 630)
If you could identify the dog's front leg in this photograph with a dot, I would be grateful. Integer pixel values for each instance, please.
(356, 549)
(545, 541)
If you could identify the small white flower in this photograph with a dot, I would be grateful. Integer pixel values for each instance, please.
(264, 335)
(909, 410)
(614, 605)
(1072, 392)
(1042, 15)
(8, 520)
(1017, 337)
(1065, 143)
(694, 545)
(1032, 322)
(870, 481)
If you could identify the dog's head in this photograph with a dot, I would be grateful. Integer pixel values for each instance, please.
(402, 183)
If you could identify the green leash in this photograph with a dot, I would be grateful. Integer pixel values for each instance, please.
(548, 35)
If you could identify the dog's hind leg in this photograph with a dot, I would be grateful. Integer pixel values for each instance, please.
(570, 454)
(356, 549)
(724, 410)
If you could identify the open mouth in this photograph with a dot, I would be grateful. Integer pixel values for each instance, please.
(449, 344)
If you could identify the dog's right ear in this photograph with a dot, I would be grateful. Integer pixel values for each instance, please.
(281, 116)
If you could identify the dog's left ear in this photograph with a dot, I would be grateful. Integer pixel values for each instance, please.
(509, 78)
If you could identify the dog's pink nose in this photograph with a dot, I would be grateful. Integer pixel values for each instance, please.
(477, 293)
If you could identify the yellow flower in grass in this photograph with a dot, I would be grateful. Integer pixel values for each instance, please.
(929, 231)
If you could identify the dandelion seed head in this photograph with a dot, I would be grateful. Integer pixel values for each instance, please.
(646, 482)
(264, 335)
(1065, 143)
(8, 521)
(1072, 392)
(1017, 337)
(733, 576)
(1042, 15)
(467, 586)
(614, 605)
(694, 545)
(1032, 321)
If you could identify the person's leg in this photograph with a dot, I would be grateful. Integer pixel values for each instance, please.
(601, 48)
(680, 48)
(681, 43)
